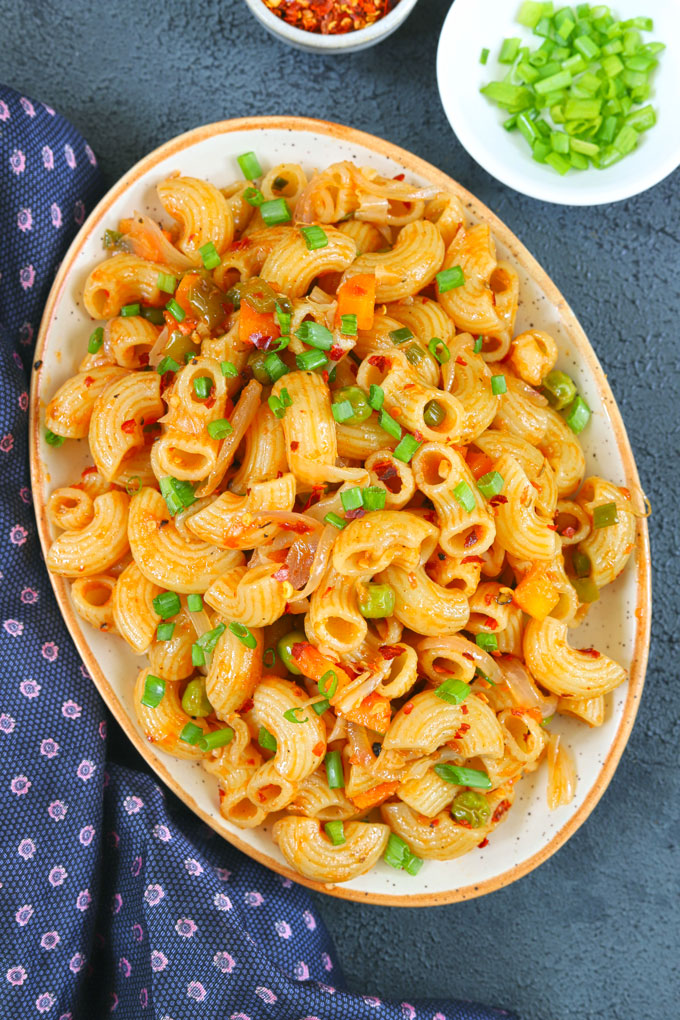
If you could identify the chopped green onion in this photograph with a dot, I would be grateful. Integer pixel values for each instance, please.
(374, 497)
(111, 238)
(250, 165)
(490, 484)
(577, 415)
(286, 399)
(465, 496)
(559, 388)
(487, 642)
(167, 283)
(320, 706)
(194, 603)
(243, 633)
(176, 310)
(478, 345)
(413, 864)
(376, 397)
(328, 684)
(484, 56)
(405, 449)
(439, 350)
(314, 334)
(178, 494)
(202, 386)
(414, 354)
(335, 520)
(452, 690)
(334, 771)
(315, 237)
(356, 398)
(220, 428)
(154, 691)
(191, 733)
(336, 832)
(291, 716)
(276, 407)
(129, 310)
(376, 601)
(269, 657)
(133, 485)
(400, 336)
(581, 563)
(605, 515)
(168, 364)
(274, 366)
(509, 50)
(164, 631)
(399, 855)
(449, 279)
(498, 385)
(218, 738)
(167, 604)
(266, 739)
(351, 499)
(342, 411)
(310, 360)
(209, 255)
(462, 776)
(254, 197)
(96, 340)
(388, 424)
(275, 211)
(197, 655)
(348, 325)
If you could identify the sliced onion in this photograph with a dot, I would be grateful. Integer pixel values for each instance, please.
(360, 746)
(561, 773)
(355, 693)
(146, 239)
(202, 625)
(523, 689)
(156, 352)
(241, 419)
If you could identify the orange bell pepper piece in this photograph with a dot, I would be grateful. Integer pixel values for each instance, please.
(181, 295)
(254, 326)
(356, 296)
(479, 463)
(536, 595)
(371, 798)
(373, 712)
(315, 665)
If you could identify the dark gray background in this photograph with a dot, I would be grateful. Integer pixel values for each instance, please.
(594, 932)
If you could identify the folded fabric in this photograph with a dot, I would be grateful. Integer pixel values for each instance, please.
(113, 897)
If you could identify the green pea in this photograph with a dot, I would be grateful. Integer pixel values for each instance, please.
(195, 701)
(376, 601)
(471, 807)
(559, 389)
(357, 399)
(284, 647)
(433, 413)
(256, 362)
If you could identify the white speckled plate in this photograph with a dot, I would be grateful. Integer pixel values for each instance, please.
(618, 623)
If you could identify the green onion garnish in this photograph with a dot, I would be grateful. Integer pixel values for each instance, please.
(334, 771)
(128, 310)
(328, 684)
(275, 211)
(202, 386)
(266, 739)
(509, 50)
(191, 733)
(580, 563)
(399, 855)
(484, 56)
(167, 604)
(577, 415)
(291, 716)
(374, 497)
(449, 279)
(250, 165)
(405, 449)
(321, 706)
(176, 310)
(439, 350)
(283, 317)
(197, 655)
(315, 237)
(276, 407)
(167, 283)
(498, 385)
(400, 336)
(348, 325)
(487, 642)
(269, 657)
(490, 484)
(209, 255)
(168, 364)
(243, 633)
(315, 335)
(96, 340)
(164, 631)
(335, 520)
(218, 738)
(178, 494)
(254, 197)
(310, 360)
(351, 499)
(286, 399)
(452, 690)
(388, 424)
(342, 411)
(274, 367)
(605, 515)
(477, 349)
(336, 832)
(376, 397)
(220, 428)
(194, 603)
(465, 496)
(154, 691)
(111, 238)
(463, 777)
(133, 486)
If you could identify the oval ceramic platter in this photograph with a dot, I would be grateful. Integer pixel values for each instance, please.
(618, 623)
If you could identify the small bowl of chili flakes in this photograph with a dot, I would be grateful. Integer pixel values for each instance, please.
(331, 26)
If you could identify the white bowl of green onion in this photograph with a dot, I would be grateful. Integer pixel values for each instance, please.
(575, 104)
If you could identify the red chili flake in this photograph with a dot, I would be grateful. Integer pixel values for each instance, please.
(485, 842)
(461, 361)
(129, 426)
(592, 652)
(336, 353)
(398, 177)
(568, 532)
(210, 402)
(247, 705)
(430, 516)
(294, 445)
(434, 823)
(262, 341)
(491, 623)
(318, 749)
(418, 435)
(88, 380)
(464, 822)
(551, 527)
(468, 655)
(324, 376)
(488, 599)
(88, 471)
(282, 573)
(314, 497)
(240, 245)
(498, 500)
(351, 673)
(462, 730)
(354, 515)
(390, 652)
(464, 710)
(472, 559)
(379, 362)
(408, 708)
(471, 538)
(504, 806)
(385, 469)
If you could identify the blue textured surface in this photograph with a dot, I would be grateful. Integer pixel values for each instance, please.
(595, 931)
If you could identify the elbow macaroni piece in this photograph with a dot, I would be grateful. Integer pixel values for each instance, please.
(311, 853)
(69, 411)
(203, 213)
(118, 417)
(95, 548)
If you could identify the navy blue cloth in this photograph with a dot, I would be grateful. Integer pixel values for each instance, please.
(113, 897)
